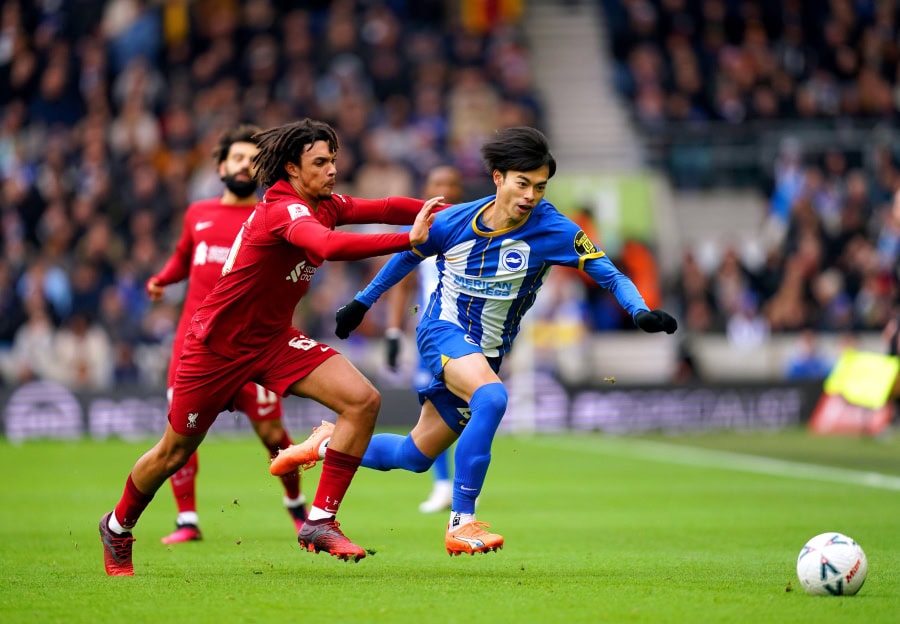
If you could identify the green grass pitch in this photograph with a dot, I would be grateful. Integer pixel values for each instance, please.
(598, 529)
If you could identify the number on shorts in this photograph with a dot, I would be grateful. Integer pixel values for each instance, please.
(303, 343)
(264, 396)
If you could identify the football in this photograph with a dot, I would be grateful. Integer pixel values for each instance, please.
(832, 564)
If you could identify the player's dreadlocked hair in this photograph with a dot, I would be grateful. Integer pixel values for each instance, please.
(242, 134)
(283, 144)
(518, 149)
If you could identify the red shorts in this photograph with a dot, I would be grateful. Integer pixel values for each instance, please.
(258, 403)
(205, 381)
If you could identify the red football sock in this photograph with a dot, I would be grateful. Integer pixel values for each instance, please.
(290, 481)
(184, 485)
(131, 505)
(337, 473)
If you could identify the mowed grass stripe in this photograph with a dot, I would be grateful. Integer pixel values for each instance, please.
(680, 454)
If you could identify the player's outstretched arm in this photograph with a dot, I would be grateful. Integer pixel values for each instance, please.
(653, 321)
(418, 233)
(389, 210)
(349, 317)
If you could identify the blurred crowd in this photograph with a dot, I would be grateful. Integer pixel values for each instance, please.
(109, 111)
(813, 269)
(739, 60)
(827, 255)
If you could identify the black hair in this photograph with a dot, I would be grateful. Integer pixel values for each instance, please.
(518, 149)
(245, 133)
(283, 144)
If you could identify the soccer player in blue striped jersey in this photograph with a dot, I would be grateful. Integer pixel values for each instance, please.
(492, 255)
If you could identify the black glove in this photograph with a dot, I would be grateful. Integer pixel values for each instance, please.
(656, 321)
(349, 317)
(392, 347)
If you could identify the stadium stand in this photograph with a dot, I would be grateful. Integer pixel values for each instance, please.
(798, 100)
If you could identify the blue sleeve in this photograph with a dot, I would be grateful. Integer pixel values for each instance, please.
(568, 245)
(398, 267)
(604, 272)
(402, 264)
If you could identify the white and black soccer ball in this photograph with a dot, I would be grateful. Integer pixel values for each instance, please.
(832, 564)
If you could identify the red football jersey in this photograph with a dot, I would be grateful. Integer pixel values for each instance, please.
(206, 236)
(275, 256)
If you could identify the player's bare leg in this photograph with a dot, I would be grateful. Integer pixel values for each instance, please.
(338, 385)
(164, 459)
(148, 475)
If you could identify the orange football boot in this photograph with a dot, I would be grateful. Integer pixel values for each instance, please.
(303, 455)
(471, 538)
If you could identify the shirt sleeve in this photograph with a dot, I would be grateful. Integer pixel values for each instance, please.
(390, 210)
(178, 266)
(390, 274)
(570, 246)
(403, 264)
(322, 243)
(605, 273)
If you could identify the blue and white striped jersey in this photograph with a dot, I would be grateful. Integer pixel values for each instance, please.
(489, 279)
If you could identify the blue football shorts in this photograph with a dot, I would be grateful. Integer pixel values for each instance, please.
(439, 341)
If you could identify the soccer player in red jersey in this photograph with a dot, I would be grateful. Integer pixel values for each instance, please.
(207, 233)
(242, 332)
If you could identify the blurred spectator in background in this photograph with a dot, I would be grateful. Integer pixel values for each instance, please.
(694, 292)
(891, 337)
(807, 362)
(687, 369)
(12, 311)
(51, 283)
(746, 327)
(32, 356)
(84, 354)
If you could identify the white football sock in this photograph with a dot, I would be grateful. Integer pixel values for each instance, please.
(459, 519)
(316, 513)
(114, 525)
(187, 517)
(294, 502)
